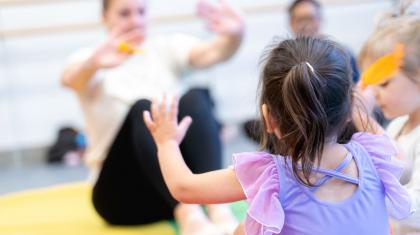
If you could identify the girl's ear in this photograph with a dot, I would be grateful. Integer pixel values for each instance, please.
(268, 120)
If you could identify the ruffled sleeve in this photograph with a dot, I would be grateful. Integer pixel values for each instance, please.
(382, 151)
(257, 173)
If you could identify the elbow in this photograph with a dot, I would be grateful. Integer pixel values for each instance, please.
(205, 59)
(183, 194)
(67, 82)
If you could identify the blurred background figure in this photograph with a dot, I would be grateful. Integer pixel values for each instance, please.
(397, 92)
(68, 148)
(115, 82)
(305, 17)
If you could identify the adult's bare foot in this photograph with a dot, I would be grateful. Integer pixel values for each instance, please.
(193, 221)
(222, 216)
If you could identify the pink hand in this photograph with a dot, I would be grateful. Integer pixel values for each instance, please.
(108, 55)
(164, 125)
(221, 17)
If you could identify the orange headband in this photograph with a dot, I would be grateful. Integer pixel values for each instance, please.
(384, 68)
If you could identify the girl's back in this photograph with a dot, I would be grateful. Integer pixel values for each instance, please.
(280, 204)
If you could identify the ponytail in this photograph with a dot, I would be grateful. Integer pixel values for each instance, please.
(304, 104)
(306, 85)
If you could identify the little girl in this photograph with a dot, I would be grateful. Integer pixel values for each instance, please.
(310, 180)
(391, 60)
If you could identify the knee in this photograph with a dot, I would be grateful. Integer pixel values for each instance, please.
(139, 106)
(197, 93)
(198, 97)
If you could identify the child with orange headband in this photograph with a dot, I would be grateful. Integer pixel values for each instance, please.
(391, 63)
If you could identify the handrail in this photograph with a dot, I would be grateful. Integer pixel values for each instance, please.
(164, 19)
(6, 3)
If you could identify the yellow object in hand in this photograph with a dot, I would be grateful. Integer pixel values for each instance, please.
(123, 46)
(384, 68)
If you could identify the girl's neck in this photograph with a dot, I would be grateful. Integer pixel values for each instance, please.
(332, 155)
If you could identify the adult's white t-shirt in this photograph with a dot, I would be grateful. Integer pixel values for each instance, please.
(108, 96)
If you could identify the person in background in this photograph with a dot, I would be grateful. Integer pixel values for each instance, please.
(68, 148)
(115, 81)
(305, 19)
(390, 62)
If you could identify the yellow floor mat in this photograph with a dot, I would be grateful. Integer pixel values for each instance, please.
(62, 210)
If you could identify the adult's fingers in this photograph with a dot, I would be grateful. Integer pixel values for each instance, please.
(134, 37)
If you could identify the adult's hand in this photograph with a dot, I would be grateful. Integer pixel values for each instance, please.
(221, 17)
(108, 54)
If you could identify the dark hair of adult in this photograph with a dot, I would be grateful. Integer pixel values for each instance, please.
(295, 3)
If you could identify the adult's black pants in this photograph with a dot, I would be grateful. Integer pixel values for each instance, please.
(130, 189)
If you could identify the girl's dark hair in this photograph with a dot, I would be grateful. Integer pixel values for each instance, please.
(309, 106)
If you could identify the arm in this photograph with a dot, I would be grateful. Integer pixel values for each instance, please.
(364, 122)
(208, 188)
(414, 186)
(219, 186)
(228, 24)
(77, 75)
(106, 55)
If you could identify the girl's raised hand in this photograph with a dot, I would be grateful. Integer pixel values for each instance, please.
(163, 123)
(221, 17)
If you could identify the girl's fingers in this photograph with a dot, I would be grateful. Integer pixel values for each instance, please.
(173, 112)
(184, 125)
(162, 108)
(161, 111)
(155, 111)
(148, 121)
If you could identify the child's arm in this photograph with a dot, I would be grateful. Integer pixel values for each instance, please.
(213, 187)
(362, 114)
(364, 122)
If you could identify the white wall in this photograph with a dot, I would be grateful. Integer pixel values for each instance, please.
(33, 105)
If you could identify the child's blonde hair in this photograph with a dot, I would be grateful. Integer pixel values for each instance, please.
(404, 30)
